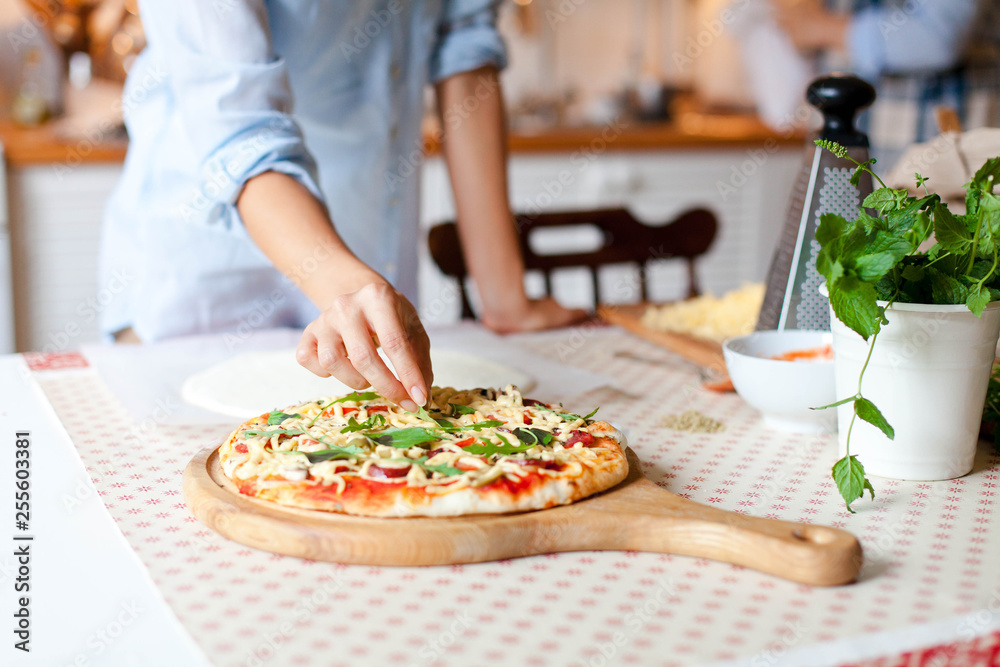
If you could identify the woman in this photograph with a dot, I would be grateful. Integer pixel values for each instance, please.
(919, 54)
(253, 124)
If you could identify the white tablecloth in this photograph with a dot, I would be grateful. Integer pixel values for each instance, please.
(930, 575)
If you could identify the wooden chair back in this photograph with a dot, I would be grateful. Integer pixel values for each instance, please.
(624, 240)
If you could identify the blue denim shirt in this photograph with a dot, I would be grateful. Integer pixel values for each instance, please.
(908, 37)
(329, 92)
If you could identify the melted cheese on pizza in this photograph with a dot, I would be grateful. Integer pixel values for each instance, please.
(461, 439)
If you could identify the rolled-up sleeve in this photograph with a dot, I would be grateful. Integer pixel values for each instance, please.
(925, 36)
(230, 92)
(467, 39)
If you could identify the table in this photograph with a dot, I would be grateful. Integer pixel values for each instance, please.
(930, 585)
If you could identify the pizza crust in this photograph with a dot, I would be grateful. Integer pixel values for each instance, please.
(582, 472)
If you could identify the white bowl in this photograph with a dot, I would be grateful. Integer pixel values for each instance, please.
(784, 391)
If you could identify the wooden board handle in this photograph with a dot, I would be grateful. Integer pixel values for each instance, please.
(663, 522)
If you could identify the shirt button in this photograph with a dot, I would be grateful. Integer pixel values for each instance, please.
(390, 267)
(393, 201)
(393, 131)
(395, 71)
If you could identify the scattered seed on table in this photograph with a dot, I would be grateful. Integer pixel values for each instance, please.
(693, 421)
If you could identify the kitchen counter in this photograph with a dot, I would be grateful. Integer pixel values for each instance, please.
(29, 146)
(47, 145)
(690, 131)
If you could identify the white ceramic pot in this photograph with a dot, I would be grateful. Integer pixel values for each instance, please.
(928, 375)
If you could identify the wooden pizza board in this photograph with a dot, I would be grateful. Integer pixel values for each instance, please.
(705, 353)
(636, 515)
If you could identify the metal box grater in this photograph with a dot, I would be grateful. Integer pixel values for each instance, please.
(792, 299)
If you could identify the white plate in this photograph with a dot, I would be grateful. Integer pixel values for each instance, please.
(253, 383)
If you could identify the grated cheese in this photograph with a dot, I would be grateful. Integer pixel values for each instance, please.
(708, 316)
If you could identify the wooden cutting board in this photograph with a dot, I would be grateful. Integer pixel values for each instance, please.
(705, 353)
(636, 515)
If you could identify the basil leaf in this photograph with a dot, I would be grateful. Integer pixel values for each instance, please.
(884, 199)
(277, 416)
(487, 448)
(446, 470)
(404, 438)
(443, 469)
(330, 454)
(866, 410)
(854, 303)
(478, 426)
(533, 436)
(353, 426)
(568, 416)
(851, 481)
(426, 416)
(987, 176)
(978, 297)
(946, 289)
(354, 396)
(457, 409)
(950, 231)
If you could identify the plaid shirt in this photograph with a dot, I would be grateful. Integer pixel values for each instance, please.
(955, 46)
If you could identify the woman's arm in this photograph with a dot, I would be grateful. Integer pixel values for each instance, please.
(232, 93)
(359, 306)
(475, 148)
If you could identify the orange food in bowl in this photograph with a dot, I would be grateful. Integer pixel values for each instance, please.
(821, 353)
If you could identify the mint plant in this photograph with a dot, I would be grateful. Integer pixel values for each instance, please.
(881, 257)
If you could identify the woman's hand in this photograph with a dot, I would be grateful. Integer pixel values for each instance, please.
(533, 315)
(343, 342)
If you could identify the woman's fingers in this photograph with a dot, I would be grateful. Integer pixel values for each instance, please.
(332, 356)
(364, 357)
(306, 355)
(340, 343)
(405, 343)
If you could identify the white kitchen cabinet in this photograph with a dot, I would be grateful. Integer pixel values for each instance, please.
(55, 218)
(656, 186)
(7, 344)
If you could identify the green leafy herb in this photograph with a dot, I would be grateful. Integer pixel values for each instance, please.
(458, 409)
(353, 396)
(478, 426)
(568, 416)
(404, 438)
(356, 397)
(867, 411)
(297, 431)
(533, 436)
(277, 416)
(489, 448)
(878, 257)
(849, 475)
(332, 453)
(446, 470)
(373, 422)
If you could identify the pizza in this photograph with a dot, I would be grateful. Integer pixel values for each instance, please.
(479, 451)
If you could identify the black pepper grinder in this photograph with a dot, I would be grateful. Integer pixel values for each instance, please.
(792, 300)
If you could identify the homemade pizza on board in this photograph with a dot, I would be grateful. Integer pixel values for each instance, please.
(480, 451)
